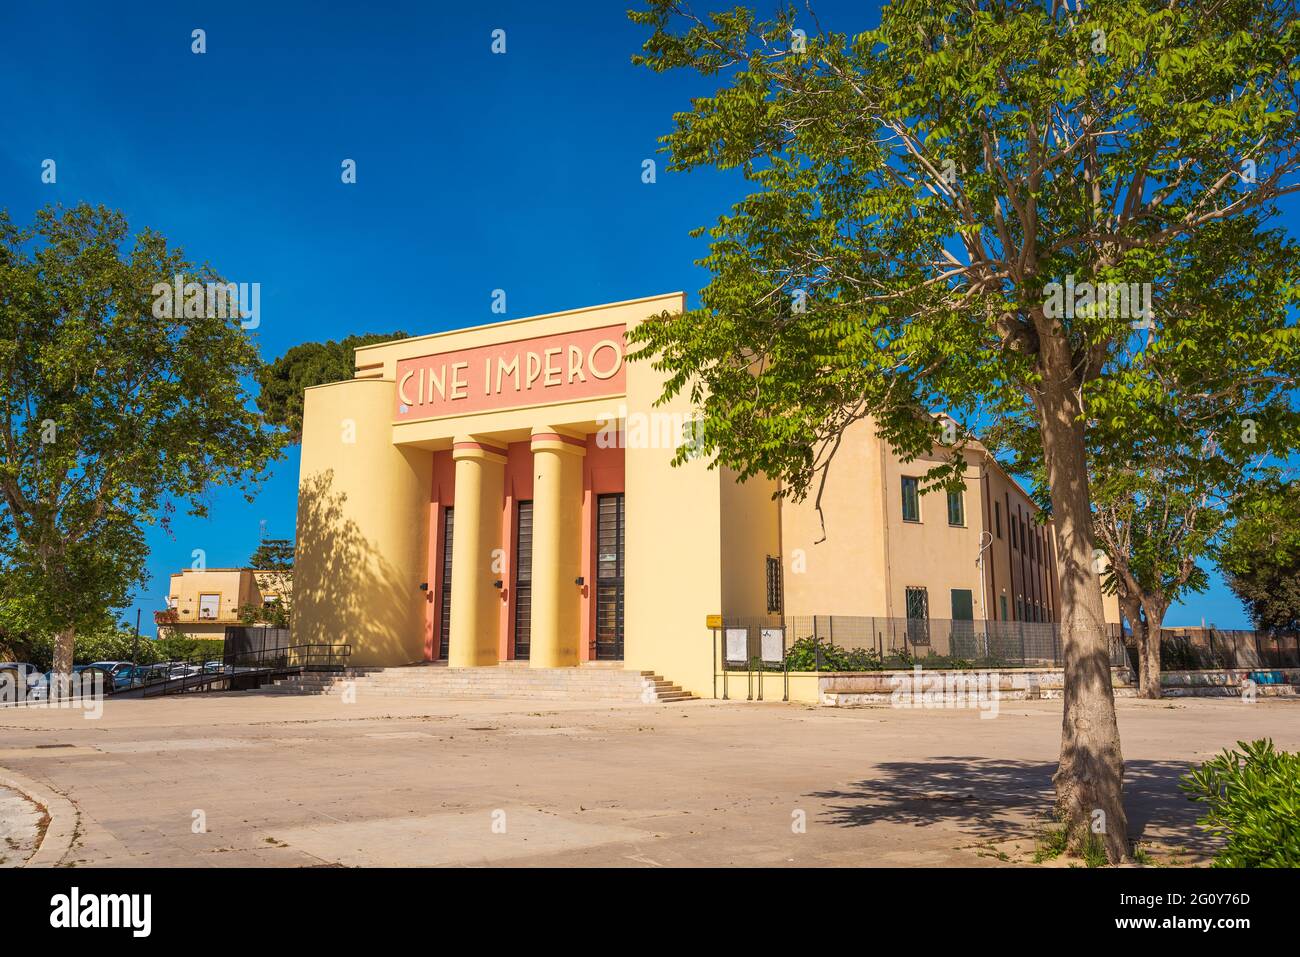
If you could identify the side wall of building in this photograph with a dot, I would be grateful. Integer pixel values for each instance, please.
(674, 549)
(362, 527)
(834, 562)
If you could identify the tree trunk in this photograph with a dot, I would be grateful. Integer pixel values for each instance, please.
(60, 682)
(1090, 777)
(1149, 654)
(1131, 609)
(63, 645)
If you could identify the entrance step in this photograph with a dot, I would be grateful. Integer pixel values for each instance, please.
(604, 683)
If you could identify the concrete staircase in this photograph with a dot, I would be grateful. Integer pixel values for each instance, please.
(596, 683)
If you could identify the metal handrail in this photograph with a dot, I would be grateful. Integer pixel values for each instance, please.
(284, 658)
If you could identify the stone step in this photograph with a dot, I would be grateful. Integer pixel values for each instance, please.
(606, 682)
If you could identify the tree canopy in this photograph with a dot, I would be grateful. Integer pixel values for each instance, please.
(305, 365)
(1261, 559)
(113, 414)
(972, 207)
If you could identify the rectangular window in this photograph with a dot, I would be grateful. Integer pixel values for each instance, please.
(918, 616)
(773, 585)
(610, 529)
(997, 518)
(209, 605)
(911, 501)
(523, 562)
(1011, 527)
(1003, 601)
(444, 599)
(956, 508)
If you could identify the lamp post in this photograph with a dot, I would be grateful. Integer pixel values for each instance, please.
(979, 563)
(135, 644)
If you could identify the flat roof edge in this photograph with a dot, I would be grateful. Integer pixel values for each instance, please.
(523, 319)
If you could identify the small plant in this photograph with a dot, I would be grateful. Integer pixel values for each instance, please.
(1142, 856)
(1052, 842)
(1252, 800)
(1094, 852)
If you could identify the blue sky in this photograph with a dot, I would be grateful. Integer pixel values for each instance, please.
(474, 172)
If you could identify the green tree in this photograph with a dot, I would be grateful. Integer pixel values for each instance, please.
(1187, 427)
(272, 553)
(1261, 559)
(273, 559)
(311, 363)
(115, 407)
(925, 192)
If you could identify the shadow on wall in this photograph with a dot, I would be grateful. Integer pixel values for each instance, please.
(992, 797)
(345, 591)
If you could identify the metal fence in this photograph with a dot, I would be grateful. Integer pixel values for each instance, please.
(1193, 649)
(860, 643)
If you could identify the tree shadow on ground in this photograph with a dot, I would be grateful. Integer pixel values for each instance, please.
(992, 798)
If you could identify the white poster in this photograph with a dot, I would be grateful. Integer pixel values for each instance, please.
(773, 645)
(737, 645)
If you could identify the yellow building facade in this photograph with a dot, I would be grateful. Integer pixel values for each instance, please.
(506, 492)
(202, 603)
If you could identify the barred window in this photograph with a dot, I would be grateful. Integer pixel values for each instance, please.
(773, 585)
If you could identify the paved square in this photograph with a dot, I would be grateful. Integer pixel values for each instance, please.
(241, 779)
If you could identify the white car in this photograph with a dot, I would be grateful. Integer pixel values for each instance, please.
(15, 675)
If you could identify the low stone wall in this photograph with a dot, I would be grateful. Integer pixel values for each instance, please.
(850, 689)
(1228, 682)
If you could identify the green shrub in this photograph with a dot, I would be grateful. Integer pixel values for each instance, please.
(176, 648)
(803, 655)
(1253, 802)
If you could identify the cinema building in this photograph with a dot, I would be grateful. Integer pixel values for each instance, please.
(506, 492)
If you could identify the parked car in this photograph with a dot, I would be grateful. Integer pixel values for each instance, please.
(41, 691)
(17, 679)
(122, 672)
(151, 674)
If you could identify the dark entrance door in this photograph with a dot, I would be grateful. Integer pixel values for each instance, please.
(523, 562)
(963, 607)
(444, 599)
(962, 640)
(609, 577)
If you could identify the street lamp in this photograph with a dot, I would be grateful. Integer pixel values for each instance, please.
(986, 539)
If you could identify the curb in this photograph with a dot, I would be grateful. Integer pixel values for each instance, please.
(63, 814)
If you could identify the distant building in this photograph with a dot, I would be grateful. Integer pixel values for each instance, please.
(202, 604)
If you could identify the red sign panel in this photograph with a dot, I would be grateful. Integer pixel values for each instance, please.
(565, 367)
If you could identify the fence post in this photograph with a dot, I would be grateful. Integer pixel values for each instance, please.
(1022, 643)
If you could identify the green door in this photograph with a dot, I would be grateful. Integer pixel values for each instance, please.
(962, 640)
(962, 605)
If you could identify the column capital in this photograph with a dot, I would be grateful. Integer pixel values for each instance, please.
(554, 439)
(477, 447)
